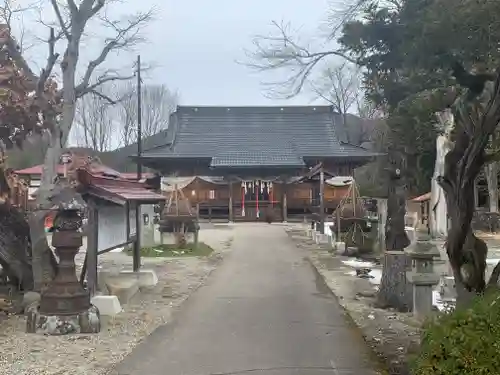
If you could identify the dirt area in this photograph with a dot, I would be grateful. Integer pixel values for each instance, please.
(393, 336)
(29, 354)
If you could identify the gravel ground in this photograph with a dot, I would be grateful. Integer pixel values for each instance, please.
(23, 354)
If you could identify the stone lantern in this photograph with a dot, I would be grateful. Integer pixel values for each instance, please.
(422, 276)
(64, 304)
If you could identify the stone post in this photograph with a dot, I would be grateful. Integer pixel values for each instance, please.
(65, 306)
(422, 276)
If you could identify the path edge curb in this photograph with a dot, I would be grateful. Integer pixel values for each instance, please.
(372, 345)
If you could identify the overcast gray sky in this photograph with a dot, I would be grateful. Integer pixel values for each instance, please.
(196, 42)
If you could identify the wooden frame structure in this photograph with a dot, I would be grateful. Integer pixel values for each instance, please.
(233, 199)
(101, 194)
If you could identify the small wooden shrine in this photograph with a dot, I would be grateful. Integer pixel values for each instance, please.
(179, 218)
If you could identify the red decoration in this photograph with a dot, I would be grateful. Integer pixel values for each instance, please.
(243, 188)
(256, 187)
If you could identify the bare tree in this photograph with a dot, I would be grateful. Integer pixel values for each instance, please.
(284, 51)
(71, 21)
(158, 103)
(339, 85)
(95, 123)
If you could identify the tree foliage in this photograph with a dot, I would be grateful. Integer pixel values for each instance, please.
(25, 107)
(405, 49)
(462, 342)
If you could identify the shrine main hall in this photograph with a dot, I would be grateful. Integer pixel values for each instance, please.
(233, 163)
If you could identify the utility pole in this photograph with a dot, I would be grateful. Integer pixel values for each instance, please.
(139, 120)
(137, 244)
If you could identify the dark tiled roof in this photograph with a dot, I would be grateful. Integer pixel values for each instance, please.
(119, 158)
(247, 159)
(255, 136)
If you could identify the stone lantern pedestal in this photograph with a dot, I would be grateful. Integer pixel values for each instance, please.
(422, 276)
(65, 306)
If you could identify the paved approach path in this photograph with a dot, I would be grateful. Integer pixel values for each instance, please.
(264, 311)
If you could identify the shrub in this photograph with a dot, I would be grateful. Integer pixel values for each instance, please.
(463, 342)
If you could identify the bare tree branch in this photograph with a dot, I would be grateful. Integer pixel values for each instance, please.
(282, 52)
(95, 125)
(126, 36)
(62, 24)
(158, 104)
(339, 85)
(344, 11)
(51, 60)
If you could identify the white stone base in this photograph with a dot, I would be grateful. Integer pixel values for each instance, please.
(321, 238)
(340, 247)
(107, 305)
(145, 278)
(123, 286)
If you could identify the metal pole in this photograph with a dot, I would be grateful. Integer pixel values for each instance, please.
(322, 200)
(139, 120)
(137, 243)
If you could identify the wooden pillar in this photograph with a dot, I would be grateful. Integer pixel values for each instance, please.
(92, 248)
(285, 209)
(322, 200)
(231, 218)
(337, 216)
(136, 261)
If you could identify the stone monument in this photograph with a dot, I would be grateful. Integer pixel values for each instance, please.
(422, 276)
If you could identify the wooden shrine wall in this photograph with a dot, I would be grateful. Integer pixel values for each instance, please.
(200, 191)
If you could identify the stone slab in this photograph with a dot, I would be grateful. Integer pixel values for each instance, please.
(107, 305)
(145, 278)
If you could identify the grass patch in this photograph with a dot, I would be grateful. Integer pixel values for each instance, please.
(170, 250)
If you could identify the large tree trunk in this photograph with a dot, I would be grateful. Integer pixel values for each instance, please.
(43, 257)
(395, 290)
(491, 173)
(467, 254)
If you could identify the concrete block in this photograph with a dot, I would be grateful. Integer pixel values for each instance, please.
(331, 240)
(313, 234)
(323, 238)
(107, 305)
(146, 278)
(340, 247)
(123, 286)
(447, 287)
